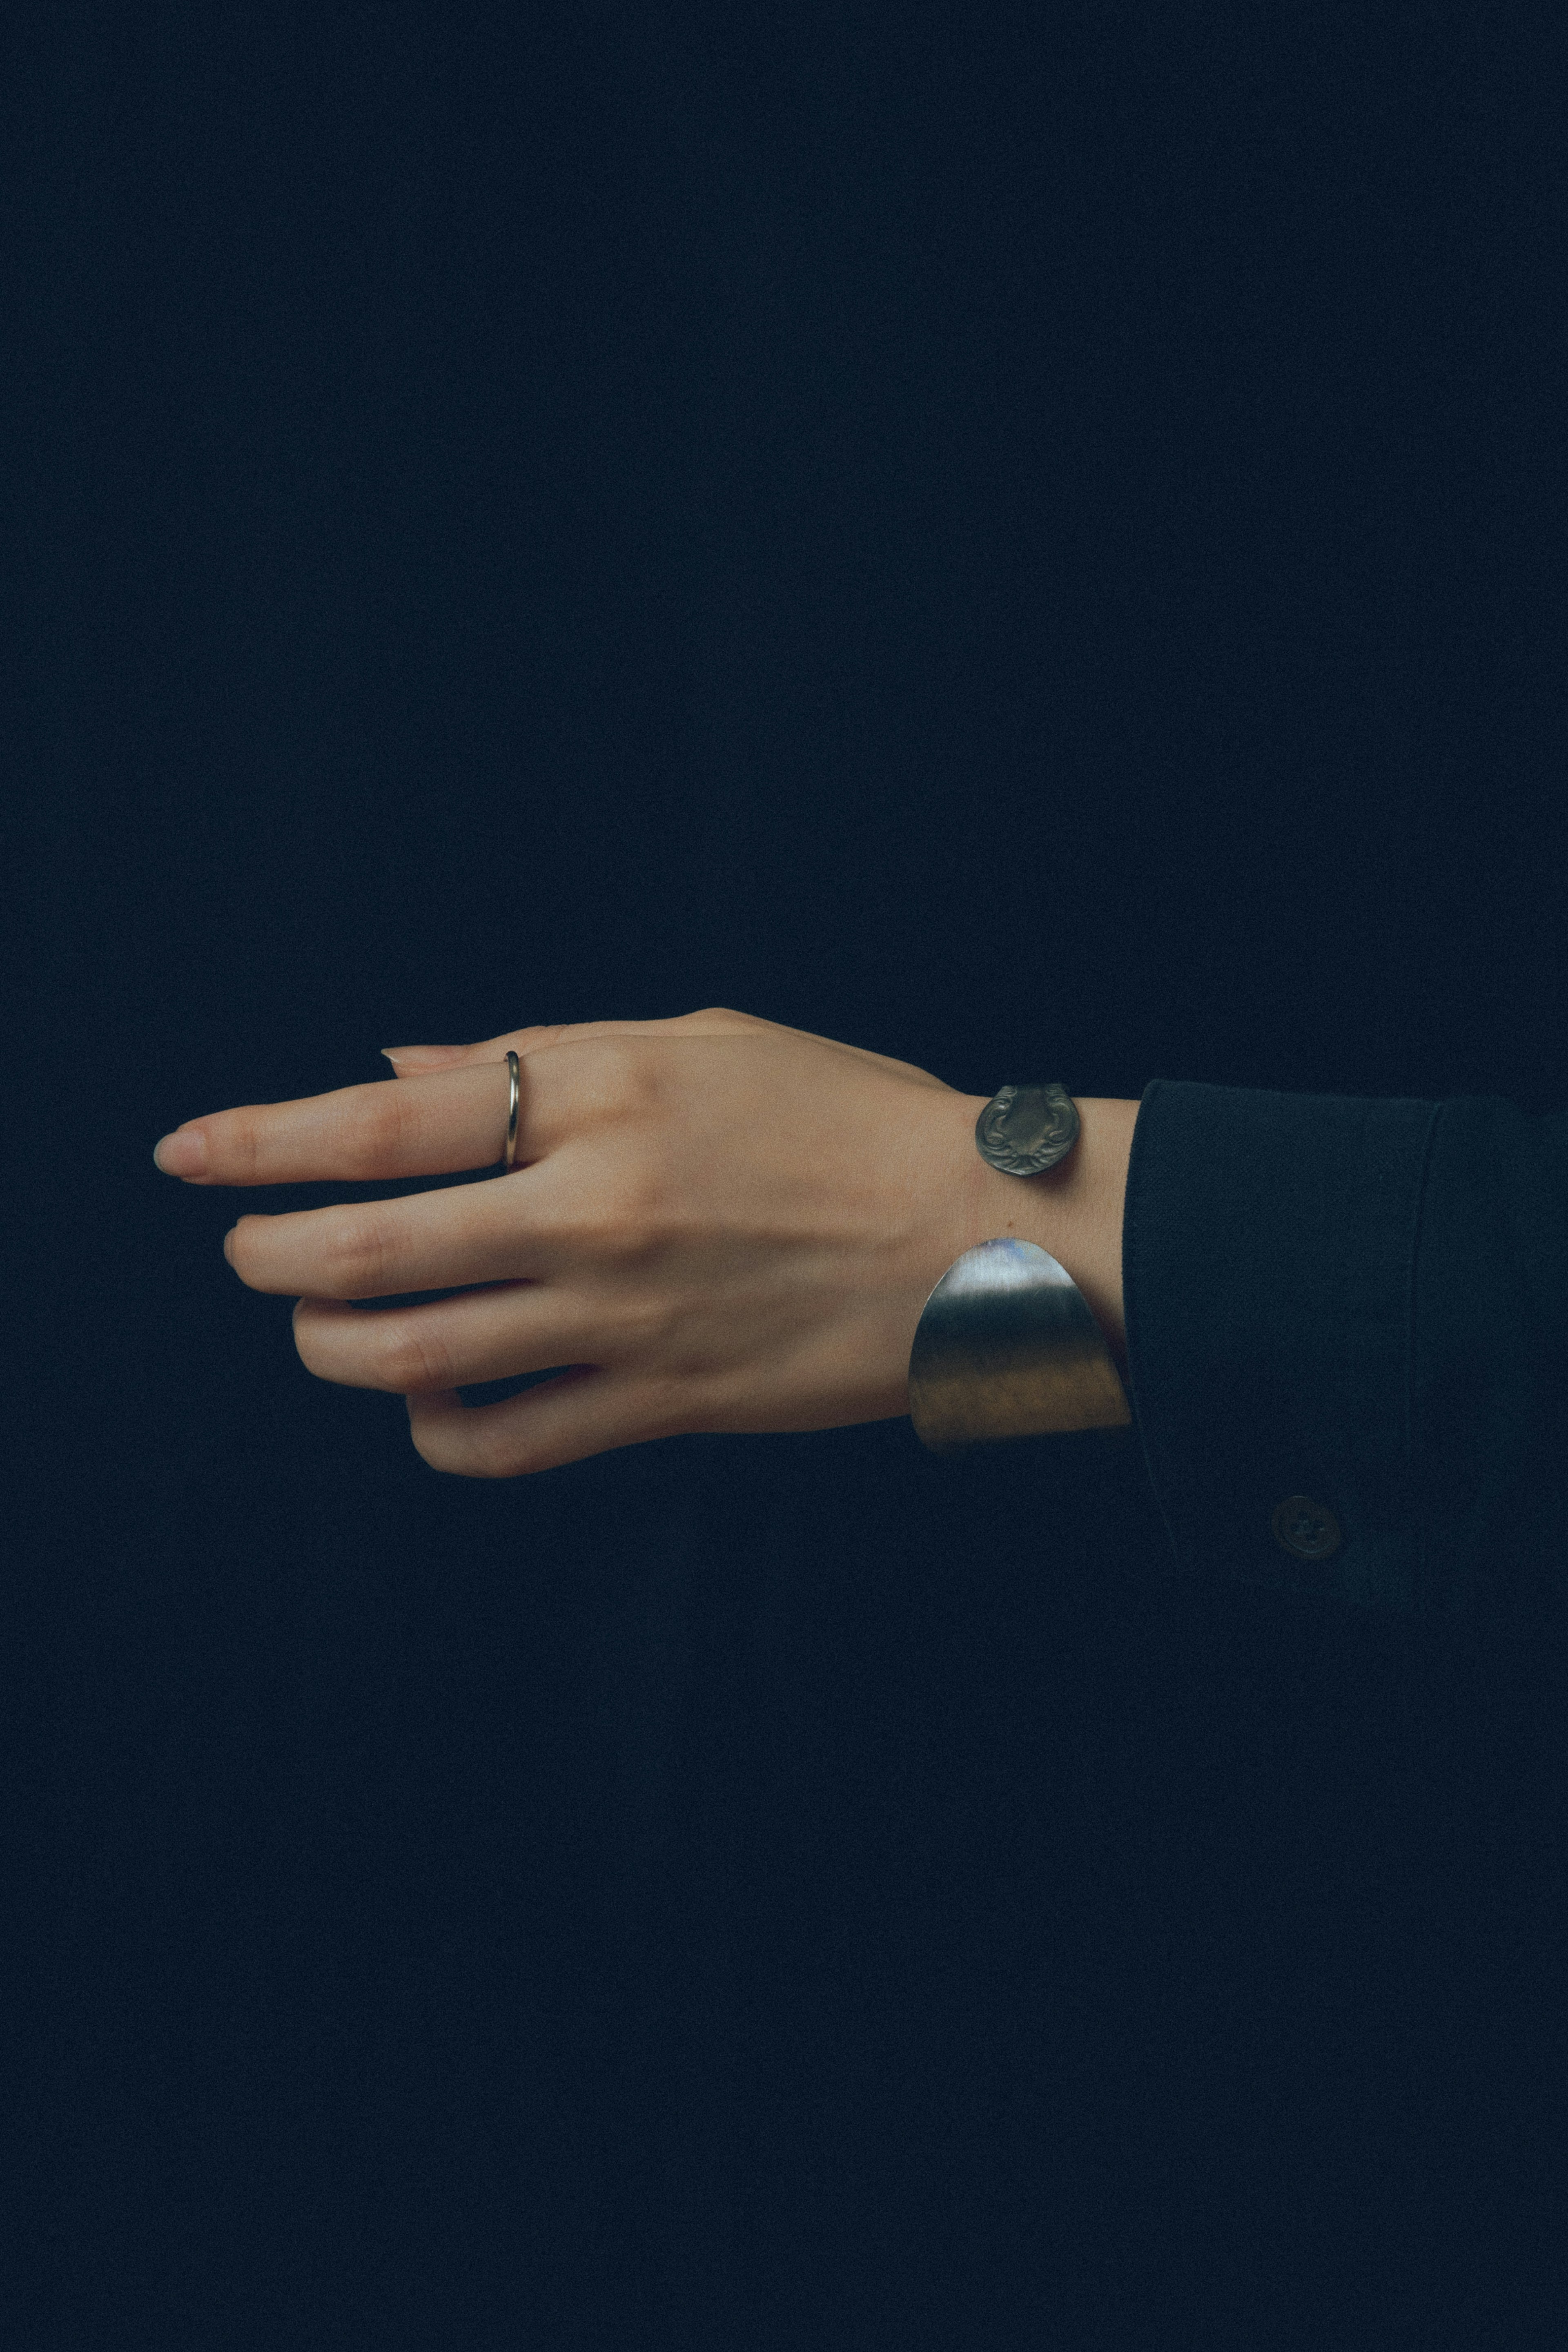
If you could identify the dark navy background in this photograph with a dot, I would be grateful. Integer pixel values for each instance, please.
(1027, 539)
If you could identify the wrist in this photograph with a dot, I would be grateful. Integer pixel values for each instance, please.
(1073, 1211)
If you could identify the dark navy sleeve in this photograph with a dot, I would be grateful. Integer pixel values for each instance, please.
(1345, 1333)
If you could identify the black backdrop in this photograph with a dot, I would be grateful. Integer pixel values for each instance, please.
(1027, 539)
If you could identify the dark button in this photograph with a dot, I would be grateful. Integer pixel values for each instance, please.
(1307, 1529)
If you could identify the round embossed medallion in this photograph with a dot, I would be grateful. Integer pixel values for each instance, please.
(1025, 1130)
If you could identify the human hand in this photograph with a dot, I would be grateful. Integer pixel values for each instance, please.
(719, 1223)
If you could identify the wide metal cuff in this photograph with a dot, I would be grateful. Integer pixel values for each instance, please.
(1006, 1347)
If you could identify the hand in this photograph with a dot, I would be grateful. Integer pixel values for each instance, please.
(719, 1223)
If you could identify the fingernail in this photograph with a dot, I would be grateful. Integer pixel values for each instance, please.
(183, 1153)
(228, 1246)
(419, 1058)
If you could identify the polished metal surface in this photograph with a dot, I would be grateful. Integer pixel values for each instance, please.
(511, 1144)
(1006, 1347)
(1025, 1130)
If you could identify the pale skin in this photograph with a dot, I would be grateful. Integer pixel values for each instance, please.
(721, 1224)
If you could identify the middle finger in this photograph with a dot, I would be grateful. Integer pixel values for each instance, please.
(379, 1249)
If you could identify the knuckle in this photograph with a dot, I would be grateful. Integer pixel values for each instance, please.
(624, 1225)
(410, 1358)
(620, 1215)
(357, 1262)
(624, 1079)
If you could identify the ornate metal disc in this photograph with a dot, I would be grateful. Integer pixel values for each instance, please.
(1024, 1130)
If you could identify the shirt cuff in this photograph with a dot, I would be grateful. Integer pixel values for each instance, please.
(1268, 1251)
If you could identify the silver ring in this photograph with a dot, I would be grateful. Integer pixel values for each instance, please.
(512, 1110)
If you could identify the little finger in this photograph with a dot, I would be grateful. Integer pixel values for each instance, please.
(586, 1409)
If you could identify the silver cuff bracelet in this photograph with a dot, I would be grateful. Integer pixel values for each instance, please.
(1006, 1345)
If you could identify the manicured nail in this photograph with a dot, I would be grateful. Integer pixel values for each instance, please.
(423, 1058)
(183, 1153)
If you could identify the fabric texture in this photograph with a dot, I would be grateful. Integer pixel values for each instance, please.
(1364, 1302)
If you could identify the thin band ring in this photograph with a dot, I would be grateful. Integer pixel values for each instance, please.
(512, 1110)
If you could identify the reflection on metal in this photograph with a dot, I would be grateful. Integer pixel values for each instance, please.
(1006, 1347)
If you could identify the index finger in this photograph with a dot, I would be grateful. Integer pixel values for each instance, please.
(435, 1125)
